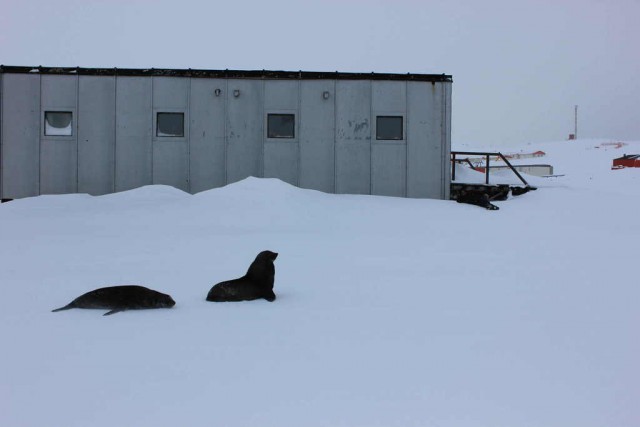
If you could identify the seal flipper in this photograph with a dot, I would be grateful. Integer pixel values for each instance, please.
(66, 307)
(114, 311)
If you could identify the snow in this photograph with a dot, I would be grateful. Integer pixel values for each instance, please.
(389, 311)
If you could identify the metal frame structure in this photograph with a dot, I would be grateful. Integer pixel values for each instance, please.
(487, 156)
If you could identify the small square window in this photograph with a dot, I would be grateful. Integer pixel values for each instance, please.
(170, 124)
(58, 123)
(281, 125)
(389, 128)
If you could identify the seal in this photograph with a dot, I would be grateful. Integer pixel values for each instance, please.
(256, 284)
(476, 197)
(518, 191)
(121, 298)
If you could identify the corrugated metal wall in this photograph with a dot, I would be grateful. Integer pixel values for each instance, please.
(134, 122)
(281, 155)
(21, 135)
(97, 134)
(59, 154)
(353, 137)
(317, 136)
(207, 156)
(389, 158)
(114, 145)
(244, 129)
(171, 154)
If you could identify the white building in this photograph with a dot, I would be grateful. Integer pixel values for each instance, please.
(98, 131)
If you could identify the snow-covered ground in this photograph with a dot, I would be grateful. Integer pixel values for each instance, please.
(390, 311)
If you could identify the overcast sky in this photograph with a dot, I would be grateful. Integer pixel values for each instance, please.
(519, 67)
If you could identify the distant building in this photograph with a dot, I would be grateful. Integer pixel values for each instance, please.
(627, 161)
(98, 131)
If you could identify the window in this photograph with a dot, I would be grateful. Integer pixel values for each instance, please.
(389, 128)
(58, 123)
(170, 124)
(281, 126)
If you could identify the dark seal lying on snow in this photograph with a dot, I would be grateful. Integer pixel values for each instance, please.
(120, 298)
(256, 284)
(476, 197)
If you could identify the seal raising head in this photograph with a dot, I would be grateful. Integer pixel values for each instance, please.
(256, 284)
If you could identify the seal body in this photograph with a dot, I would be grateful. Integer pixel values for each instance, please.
(120, 298)
(256, 284)
(476, 197)
(518, 191)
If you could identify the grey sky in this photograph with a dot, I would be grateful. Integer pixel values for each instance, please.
(519, 67)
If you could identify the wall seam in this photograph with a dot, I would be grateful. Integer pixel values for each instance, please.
(335, 136)
(226, 130)
(115, 130)
(188, 106)
(447, 169)
(370, 137)
(443, 142)
(77, 133)
(406, 142)
(153, 141)
(263, 137)
(299, 134)
(40, 132)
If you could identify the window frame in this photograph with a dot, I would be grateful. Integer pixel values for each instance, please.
(403, 127)
(58, 110)
(156, 123)
(281, 113)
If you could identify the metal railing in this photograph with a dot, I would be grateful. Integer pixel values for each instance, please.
(487, 156)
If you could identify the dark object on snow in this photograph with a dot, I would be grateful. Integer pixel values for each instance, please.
(518, 191)
(476, 197)
(256, 284)
(502, 193)
(120, 298)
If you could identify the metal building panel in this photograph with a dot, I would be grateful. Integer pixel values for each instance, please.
(446, 146)
(59, 154)
(134, 119)
(171, 154)
(388, 157)
(281, 161)
(20, 135)
(171, 92)
(353, 137)
(59, 91)
(171, 164)
(245, 106)
(317, 135)
(389, 168)
(207, 134)
(425, 150)
(96, 134)
(281, 94)
(388, 96)
(281, 154)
